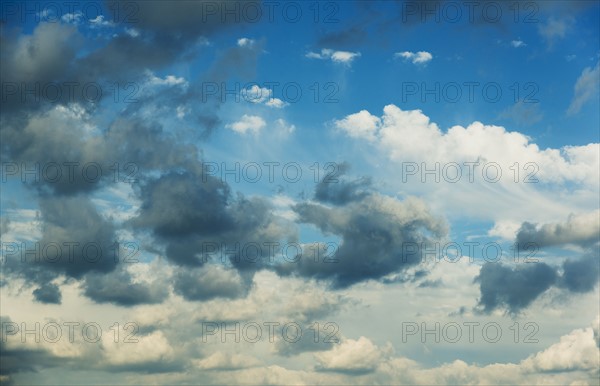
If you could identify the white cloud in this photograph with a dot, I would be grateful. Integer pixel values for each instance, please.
(575, 351)
(420, 57)
(248, 123)
(283, 127)
(169, 80)
(586, 88)
(352, 356)
(518, 43)
(224, 361)
(151, 348)
(262, 95)
(554, 28)
(276, 103)
(99, 21)
(360, 125)
(245, 42)
(409, 136)
(344, 57)
(70, 18)
(134, 33)
(256, 94)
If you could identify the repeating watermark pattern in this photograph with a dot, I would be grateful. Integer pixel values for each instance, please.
(454, 252)
(254, 92)
(488, 12)
(471, 332)
(273, 251)
(114, 12)
(271, 171)
(468, 171)
(471, 92)
(70, 92)
(253, 332)
(72, 332)
(69, 172)
(70, 252)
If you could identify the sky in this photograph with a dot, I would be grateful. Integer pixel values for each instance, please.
(282, 192)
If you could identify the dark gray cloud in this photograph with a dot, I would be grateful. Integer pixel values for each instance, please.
(76, 220)
(79, 243)
(348, 38)
(210, 282)
(582, 230)
(335, 189)
(48, 293)
(581, 275)
(190, 212)
(189, 20)
(20, 359)
(118, 287)
(181, 204)
(374, 233)
(513, 288)
(312, 340)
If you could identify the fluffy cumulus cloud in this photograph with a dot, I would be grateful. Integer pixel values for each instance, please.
(352, 356)
(376, 234)
(478, 158)
(248, 124)
(515, 288)
(343, 57)
(579, 229)
(410, 135)
(420, 57)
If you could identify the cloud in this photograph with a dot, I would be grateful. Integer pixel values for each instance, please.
(580, 229)
(120, 288)
(243, 42)
(248, 124)
(374, 232)
(409, 137)
(421, 57)
(189, 211)
(74, 222)
(554, 29)
(224, 361)
(343, 57)
(575, 351)
(4, 225)
(581, 275)
(48, 293)
(335, 190)
(518, 43)
(208, 282)
(353, 357)
(586, 88)
(359, 125)
(514, 289)
(523, 113)
(262, 95)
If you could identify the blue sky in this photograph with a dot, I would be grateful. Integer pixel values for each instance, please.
(381, 132)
